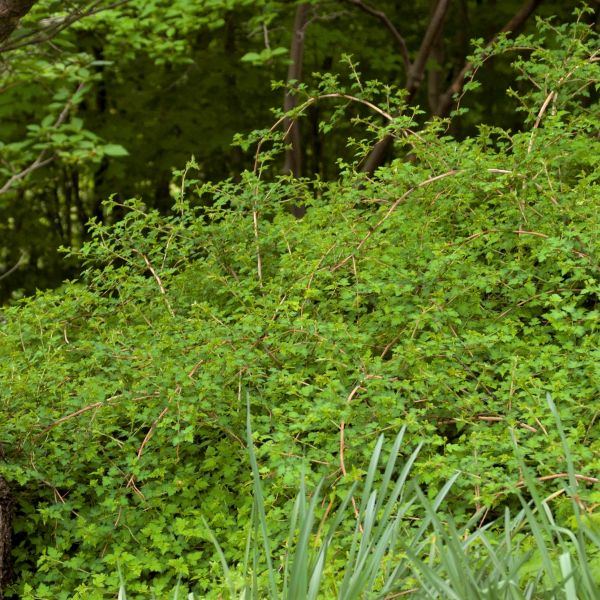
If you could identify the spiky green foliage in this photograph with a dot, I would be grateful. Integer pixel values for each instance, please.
(427, 555)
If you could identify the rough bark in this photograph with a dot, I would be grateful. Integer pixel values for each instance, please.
(10, 13)
(6, 512)
(293, 155)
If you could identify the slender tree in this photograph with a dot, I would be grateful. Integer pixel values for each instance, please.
(293, 154)
(415, 70)
(6, 510)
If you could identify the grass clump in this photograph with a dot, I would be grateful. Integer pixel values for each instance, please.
(404, 544)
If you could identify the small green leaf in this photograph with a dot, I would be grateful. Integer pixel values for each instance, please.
(251, 57)
(114, 150)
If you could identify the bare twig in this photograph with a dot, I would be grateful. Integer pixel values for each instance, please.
(131, 482)
(38, 163)
(150, 432)
(391, 210)
(577, 476)
(158, 281)
(551, 97)
(379, 14)
(494, 419)
(13, 268)
(257, 243)
(76, 414)
(72, 415)
(41, 160)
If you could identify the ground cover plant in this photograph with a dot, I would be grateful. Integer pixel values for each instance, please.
(445, 297)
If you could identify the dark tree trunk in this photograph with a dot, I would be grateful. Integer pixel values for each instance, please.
(10, 13)
(6, 513)
(435, 74)
(293, 155)
(414, 79)
(416, 71)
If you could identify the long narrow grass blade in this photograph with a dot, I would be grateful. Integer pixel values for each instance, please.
(317, 574)
(247, 587)
(389, 469)
(566, 568)
(296, 512)
(222, 559)
(260, 505)
(299, 577)
(122, 593)
(587, 577)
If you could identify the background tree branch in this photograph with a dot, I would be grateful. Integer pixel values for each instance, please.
(513, 26)
(42, 159)
(414, 79)
(434, 29)
(379, 14)
(11, 12)
(56, 25)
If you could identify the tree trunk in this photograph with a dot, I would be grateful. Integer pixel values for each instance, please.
(6, 513)
(10, 13)
(435, 74)
(415, 77)
(293, 155)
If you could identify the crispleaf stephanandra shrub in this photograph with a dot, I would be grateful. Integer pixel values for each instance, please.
(404, 544)
(448, 294)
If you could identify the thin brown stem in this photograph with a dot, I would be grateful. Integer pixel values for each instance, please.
(379, 14)
(390, 211)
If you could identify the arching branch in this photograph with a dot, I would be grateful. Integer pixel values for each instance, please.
(514, 25)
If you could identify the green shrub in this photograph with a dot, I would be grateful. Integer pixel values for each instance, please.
(403, 544)
(447, 295)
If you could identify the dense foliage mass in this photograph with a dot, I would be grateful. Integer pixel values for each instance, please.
(449, 293)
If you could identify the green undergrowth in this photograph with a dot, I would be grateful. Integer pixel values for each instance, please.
(403, 544)
(445, 297)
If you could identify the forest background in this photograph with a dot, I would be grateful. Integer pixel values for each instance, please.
(290, 228)
(108, 98)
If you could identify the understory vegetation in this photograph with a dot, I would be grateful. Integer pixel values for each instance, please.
(204, 410)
